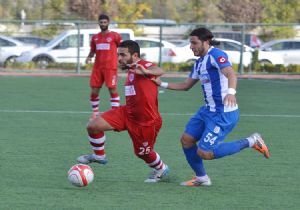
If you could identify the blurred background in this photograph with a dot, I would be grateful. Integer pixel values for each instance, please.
(259, 36)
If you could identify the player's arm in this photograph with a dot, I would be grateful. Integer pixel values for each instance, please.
(89, 57)
(91, 54)
(151, 71)
(186, 85)
(230, 99)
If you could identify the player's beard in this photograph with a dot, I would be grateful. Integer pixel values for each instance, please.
(104, 28)
(124, 66)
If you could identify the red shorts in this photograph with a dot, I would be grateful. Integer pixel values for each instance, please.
(99, 76)
(143, 137)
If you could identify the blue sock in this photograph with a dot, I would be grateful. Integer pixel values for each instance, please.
(230, 148)
(194, 160)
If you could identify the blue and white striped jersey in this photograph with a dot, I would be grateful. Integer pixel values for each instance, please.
(207, 69)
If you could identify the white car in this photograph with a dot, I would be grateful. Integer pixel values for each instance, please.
(63, 48)
(150, 48)
(232, 48)
(289, 49)
(10, 49)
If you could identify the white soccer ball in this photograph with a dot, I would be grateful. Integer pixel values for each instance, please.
(80, 175)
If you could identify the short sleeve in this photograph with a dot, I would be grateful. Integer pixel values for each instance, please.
(220, 58)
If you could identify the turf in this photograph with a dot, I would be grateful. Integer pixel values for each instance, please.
(42, 131)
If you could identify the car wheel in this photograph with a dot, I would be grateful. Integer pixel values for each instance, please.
(10, 60)
(43, 62)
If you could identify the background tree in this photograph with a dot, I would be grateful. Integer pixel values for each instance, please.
(236, 11)
(280, 11)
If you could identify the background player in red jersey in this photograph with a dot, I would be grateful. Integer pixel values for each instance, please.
(104, 45)
(140, 116)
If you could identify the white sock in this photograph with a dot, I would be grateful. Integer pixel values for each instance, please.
(203, 178)
(251, 141)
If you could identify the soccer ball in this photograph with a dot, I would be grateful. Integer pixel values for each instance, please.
(80, 175)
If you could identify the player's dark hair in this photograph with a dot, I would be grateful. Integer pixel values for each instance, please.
(103, 16)
(133, 47)
(204, 34)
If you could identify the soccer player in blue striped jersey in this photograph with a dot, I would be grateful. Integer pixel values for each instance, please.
(204, 135)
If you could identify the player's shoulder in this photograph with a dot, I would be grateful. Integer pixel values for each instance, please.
(216, 51)
(146, 64)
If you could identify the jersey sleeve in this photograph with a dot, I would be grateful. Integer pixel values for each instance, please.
(93, 45)
(219, 59)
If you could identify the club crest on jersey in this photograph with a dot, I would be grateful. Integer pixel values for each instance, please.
(222, 59)
(108, 39)
(145, 143)
(131, 77)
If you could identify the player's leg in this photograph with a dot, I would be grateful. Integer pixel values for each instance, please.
(211, 145)
(94, 101)
(193, 131)
(110, 120)
(111, 81)
(143, 139)
(96, 81)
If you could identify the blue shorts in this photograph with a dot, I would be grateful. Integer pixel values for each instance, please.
(211, 128)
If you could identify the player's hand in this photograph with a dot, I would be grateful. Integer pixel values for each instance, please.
(88, 60)
(157, 81)
(137, 69)
(230, 100)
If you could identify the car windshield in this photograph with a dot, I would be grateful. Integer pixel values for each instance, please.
(55, 40)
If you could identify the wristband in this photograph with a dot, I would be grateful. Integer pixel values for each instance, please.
(164, 85)
(231, 91)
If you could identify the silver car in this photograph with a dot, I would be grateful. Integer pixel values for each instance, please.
(288, 49)
(10, 49)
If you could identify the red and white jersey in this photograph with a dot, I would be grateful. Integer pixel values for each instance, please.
(141, 97)
(105, 46)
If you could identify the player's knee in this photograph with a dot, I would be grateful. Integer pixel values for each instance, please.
(205, 155)
(187, 141)
(92, 127)
(142, 156)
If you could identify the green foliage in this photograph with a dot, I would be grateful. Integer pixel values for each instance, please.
(49, 31)
(181, 67)
(17, 65)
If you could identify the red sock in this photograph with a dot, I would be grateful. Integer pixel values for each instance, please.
(114, 100)
(97, 141)
(94, 100)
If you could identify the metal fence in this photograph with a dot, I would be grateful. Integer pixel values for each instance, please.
(249, 34)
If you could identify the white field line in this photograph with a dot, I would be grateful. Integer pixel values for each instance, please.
(168, 114)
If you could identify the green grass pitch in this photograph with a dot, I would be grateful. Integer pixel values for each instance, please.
(42, 131)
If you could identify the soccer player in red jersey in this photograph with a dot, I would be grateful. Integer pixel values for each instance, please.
(104, 45)
(140, 116)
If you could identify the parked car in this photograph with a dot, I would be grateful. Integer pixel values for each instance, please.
(150, 49)
(33, 40)
(251, 39)
(10, 49)
(288, 49)
(63, 48)
(232, 48)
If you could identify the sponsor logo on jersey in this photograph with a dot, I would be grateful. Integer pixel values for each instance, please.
(148, 64)
(204, 78)
(145, 143)
(103, 46)
(129, 90)
(222, 59)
